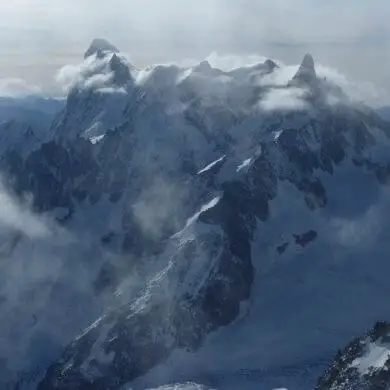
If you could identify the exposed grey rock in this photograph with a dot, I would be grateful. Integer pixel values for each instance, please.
(100, 46)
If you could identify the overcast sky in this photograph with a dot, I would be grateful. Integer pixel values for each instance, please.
(39, 36)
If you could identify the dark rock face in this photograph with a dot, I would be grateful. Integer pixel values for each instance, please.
(364, 364)
(270, 65)
(306, 73)
(121, 72)
(305, 238)
(45, 171)
(282, 248)
(99, 46)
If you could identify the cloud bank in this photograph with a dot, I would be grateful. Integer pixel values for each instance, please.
(285, 99)
(94, 73)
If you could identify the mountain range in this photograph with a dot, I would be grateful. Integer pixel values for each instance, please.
(194, 226)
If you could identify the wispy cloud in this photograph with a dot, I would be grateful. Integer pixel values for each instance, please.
(17, 87)
(93, 73)
(17, 216)
(280, 76)
(229, 61)
(284, 99)
(42, 274)
(356, 91)
(159, 207)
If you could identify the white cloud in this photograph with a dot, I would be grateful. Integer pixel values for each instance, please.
(96, 74)
(111, 90)
(225, 62)
(284, 99)
(84, 74)
(92, 73)
(356, 91)
(280, 76)
(159, 207)
(16, 216)
(229, 62)
(363, 230)
(16, 87)
(98, 80)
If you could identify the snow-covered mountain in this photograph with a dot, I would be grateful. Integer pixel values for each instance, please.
(364, 364)
(212, 226)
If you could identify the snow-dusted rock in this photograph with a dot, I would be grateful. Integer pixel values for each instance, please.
(364, 364)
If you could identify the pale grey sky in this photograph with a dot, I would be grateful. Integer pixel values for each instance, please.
(39, 36)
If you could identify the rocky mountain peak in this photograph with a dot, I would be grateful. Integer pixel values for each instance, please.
(121, 71)
(306, 73)
(100, 46)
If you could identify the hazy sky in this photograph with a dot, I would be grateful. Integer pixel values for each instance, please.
(39, 36)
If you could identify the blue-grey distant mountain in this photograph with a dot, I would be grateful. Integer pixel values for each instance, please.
(201, 235)
(30, 109)
(25, 121)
